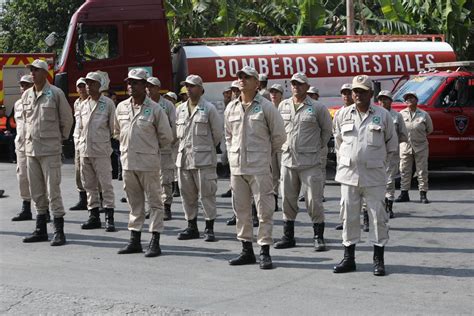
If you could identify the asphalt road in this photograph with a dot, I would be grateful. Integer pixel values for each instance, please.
(429, 261)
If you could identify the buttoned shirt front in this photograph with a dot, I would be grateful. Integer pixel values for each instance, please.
(20, 126)
(419, 125)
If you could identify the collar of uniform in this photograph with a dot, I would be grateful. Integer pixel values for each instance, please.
(354, 108)
(46, 90)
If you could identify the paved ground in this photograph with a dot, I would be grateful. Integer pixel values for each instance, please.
(429, 262)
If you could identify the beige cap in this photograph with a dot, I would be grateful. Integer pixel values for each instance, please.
(249, 71)
(26, 78)
(94, 76)
(262, 77)
(172, 95)
(137, 74)
(277, 87)
(413, 93)
(313, 90)
(154, 81)
(346, 86)
(362, 82)
(235, 84)
(385, 93)
(300, 77)
(38, 63)
(227, 89)
(194, 80)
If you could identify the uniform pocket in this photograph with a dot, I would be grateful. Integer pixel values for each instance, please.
(233, 154)
(203, 155)
(257, 156)
(375, 135)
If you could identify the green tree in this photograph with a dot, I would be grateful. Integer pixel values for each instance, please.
(24, 24)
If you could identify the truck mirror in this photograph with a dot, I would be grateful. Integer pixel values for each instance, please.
(377, 89)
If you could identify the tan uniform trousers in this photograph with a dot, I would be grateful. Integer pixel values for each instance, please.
(167, 178)
(77, 168)
(421, 164)
(351, 203)
(96, 173)
(392, 171)
(324, 163)
(276, 166)
(136, 185)
(244, 187)
(195, 184)
(44, 175)
(292, 180)
(22, 176)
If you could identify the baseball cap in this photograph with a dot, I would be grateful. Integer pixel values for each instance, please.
(26, 78)
(300, 77)
(413, 93)
(194, 80)
(313, 90)
(385, 93)
(346, 86)
(249, 71)
(235, 84)
(137, 74)
(94, 76)
(262, 77)
(227, 89)
(183, 90)
(362, 82)
(38, 63)
(154, 81)
(172, 95)
(277, 87)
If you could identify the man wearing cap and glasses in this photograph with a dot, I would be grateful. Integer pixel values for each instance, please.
(254, 132)
(419, 125)
(48, 121)
(25, 82)
(95, 127)
(82, 91)
(143, 129)
(308, 127)
(364, 138)
(199, 130)
(385, 99)
(168, 157)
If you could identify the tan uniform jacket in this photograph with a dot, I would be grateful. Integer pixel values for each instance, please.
(95, 127)
(167, 161)
(141, 134)
(48, 120)
(265, 93)
(252, 135)
(20, 126)
(308, 129)
(400, 127)
(77, 113)
(363, 147)
(418, 127)
(198, 134)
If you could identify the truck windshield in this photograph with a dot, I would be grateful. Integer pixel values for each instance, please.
(67, 42)
(423, 86)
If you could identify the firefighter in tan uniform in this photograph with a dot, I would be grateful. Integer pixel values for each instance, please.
(419, 126)
(82, 91)
(364, 138)
(262, 87)
(276, 96)
(254, 132)
(142, 128)
(199, 130)
(168, 156)
(95, 128)
(48, 121)
(385, 98)
(308, 128)
(25, 82)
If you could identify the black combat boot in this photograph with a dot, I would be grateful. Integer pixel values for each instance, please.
(389, 208)
(423, 198)
(277, 209)
(134, 244)
(94, 220)
(232, 221)
(191, 232)
(227, 194)
(209, 231)
(403, 197)
(365, 215)
(40, 233)
(339, 226)
(59, 238)
(168, 215)
(265, 259)
(109, 220)
(319, 243)
(176, 192)
(82, 204)
(379, 266)
(246, 256)
(288, 239)
(255, 222)
(348, 263)
(154, 249)
(25, 214)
